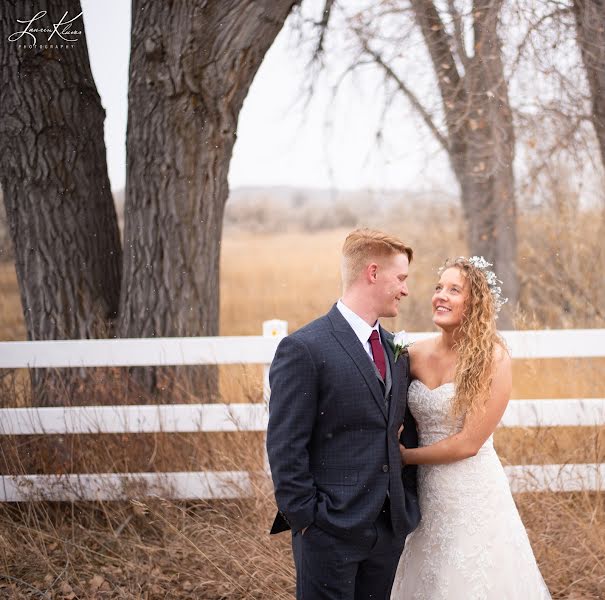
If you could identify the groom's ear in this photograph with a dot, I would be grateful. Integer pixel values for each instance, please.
(372, 271)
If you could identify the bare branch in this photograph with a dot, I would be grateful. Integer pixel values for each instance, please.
(561, 11)
(316, 61)
(590, 27)
(458, 32)
(562, 143)
(323, 28)
(426, 117)
(439, 45)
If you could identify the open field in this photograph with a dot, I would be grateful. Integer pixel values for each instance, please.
(222, 550)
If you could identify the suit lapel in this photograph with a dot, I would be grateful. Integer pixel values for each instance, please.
(353, 347)
(385, 337)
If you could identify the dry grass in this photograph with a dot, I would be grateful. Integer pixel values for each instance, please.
(157, 549)
(152, 549)
(221, 550)
(566, 532)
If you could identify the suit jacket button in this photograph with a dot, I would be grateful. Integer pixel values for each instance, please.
(385, 468)
(329, 436)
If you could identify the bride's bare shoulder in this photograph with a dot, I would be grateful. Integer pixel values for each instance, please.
(502, 357)
(421, 348)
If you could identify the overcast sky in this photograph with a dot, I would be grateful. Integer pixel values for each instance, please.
(278, 141)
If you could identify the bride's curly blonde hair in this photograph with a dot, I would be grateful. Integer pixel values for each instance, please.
(477, 340)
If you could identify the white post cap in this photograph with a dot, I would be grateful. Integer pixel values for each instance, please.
(275, 328)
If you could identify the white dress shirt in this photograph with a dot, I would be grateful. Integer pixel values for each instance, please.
(360, 327)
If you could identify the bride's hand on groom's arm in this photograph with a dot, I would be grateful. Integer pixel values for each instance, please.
(402, 452)
(402, 448)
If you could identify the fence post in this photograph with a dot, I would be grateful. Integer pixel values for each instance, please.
(274, 328)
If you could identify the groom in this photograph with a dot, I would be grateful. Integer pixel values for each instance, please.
(338, 398)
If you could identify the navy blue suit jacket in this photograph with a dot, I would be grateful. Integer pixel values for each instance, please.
(332, 444)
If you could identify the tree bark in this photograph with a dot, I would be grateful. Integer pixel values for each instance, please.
(487, 181)
(56, 189)
(590, 28)
(480, 136)
(191, 66)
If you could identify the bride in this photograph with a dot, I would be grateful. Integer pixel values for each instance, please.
(471, 543)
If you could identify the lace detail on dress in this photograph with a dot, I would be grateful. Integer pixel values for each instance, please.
(470, 542)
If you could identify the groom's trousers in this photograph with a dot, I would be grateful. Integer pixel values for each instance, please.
(360, 567)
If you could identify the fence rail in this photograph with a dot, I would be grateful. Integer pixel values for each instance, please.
(191, 418)
(195, 485)
(126, 352)
(249, 417)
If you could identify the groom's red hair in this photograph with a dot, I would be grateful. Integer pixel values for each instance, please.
(364, 246)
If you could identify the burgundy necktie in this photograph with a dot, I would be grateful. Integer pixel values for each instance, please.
(378, 354)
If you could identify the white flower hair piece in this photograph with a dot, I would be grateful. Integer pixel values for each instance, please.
(492, 280)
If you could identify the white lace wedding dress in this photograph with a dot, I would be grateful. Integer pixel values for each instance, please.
(470, 543)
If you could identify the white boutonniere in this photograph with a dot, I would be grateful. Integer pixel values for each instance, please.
(401, 343)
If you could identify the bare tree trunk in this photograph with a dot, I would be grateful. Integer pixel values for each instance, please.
(478, 133)
(56, 190)
(590, 28)
(590, 32)
(480, 136)
(191, 66)
(487, 179)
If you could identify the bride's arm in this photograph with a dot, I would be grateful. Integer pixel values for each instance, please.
(477, 427)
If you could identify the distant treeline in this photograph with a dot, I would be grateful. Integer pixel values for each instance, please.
(278, 209)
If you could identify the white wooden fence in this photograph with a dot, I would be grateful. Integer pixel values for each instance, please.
(249, 417)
